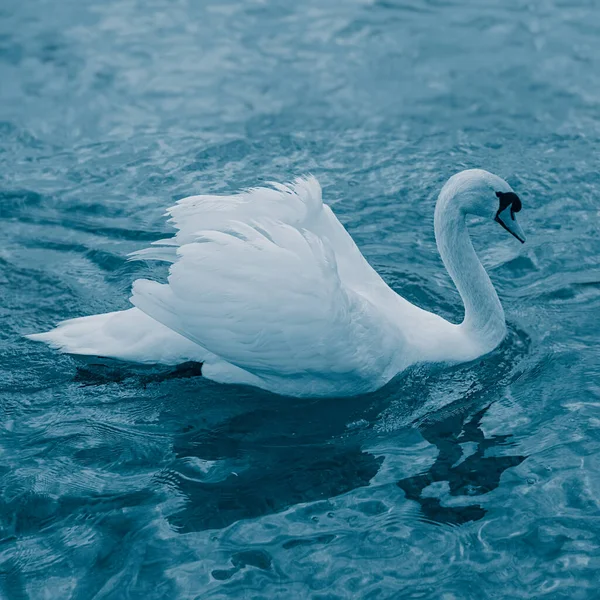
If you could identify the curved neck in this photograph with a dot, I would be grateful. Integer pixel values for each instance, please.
(484, 320)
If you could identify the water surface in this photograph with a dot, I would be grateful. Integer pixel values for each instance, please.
(478, 481)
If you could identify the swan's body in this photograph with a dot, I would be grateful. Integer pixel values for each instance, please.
(267, 288)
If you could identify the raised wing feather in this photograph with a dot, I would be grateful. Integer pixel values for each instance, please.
(298, 204)
(267, 297)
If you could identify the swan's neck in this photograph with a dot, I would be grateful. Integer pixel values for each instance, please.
(483, 323)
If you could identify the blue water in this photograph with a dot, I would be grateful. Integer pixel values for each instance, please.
(478, 481)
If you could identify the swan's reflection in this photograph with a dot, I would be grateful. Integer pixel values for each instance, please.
(466, 475)
(268, 459)
(274, 454)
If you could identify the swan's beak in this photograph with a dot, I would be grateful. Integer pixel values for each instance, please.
(508, 220)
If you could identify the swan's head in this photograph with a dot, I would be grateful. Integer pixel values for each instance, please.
(477, 192)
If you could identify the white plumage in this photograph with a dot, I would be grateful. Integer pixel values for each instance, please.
(267, 288)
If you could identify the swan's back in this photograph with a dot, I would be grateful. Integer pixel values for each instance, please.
(267, 294)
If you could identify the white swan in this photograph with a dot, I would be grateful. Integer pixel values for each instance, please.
(267, 288)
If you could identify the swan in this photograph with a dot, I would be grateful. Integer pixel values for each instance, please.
(266, 288)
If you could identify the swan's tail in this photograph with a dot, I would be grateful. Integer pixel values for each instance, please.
(128, 335)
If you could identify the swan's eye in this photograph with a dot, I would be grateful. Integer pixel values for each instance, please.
(509, 199)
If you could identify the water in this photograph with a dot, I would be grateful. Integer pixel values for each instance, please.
(480, 481)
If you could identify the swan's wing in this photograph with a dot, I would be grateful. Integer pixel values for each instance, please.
(298, 204)
(268, 298)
